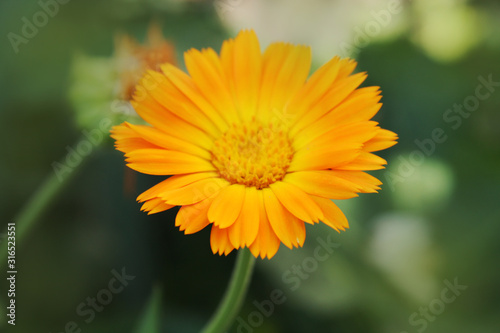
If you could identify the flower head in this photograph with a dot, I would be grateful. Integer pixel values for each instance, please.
(255, 147)
(103, 86)
(133, 58)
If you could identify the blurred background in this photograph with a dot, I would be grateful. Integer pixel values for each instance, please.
(420, 256)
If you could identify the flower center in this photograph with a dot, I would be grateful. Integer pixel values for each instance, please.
(253, 154)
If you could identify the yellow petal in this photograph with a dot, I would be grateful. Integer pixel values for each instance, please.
(168, 95)
(245, 228)
(226, 206)
(358, 132)
(155, 205)
(173, 183)
(333, 216)
(297, 202)
(360, 106)
(206, 75)
(219, 241)
(156, 115)
(323, 183)
(247, 62)
(324, 159)
(166, 162)
(127, 140)
(193, 218)
(382, 140)
(166, 141)
(285, 68)
(266, 243)
(191, 90)
(194, 192)
(337, 94)
(365, 161)
(363, 181)
(315, 88)
(289, 229)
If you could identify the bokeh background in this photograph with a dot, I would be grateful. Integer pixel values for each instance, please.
(436, 221)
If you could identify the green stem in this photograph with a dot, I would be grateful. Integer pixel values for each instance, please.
(37, 204)
(235, 293)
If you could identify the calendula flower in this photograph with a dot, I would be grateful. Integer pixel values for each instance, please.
(256, 149)
(102, 87)
(133, 58)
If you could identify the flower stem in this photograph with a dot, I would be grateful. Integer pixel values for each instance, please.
(36, 205)
(235, 293)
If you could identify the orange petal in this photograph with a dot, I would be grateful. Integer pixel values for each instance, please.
(323, 183)
(382, 140)
(226, 206)
(320, 159)
(285, 68)
(297, 202)
(289, 229)
(219, 241)
(166, 162)
(194, 192)
(163, 140)
(364, 182)
(333, 216)
(361, 105)
(155, 205)
(358, 132)
(266, 243)
(247, 63)
(173, 183)
(193, 218)
(245, 228)
(316, 86)
(167, 94)
(127, 140)
(212, 99)
(336, 95)
(365, 161)
(156, 115)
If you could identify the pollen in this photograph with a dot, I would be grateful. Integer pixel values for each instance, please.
(253, 154)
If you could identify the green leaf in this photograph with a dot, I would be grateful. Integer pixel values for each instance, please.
(150, 318)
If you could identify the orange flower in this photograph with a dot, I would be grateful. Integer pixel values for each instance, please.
(133, 58)
(255, 147)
